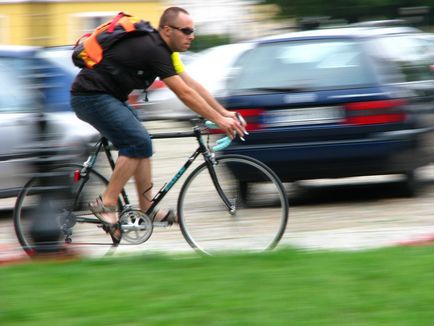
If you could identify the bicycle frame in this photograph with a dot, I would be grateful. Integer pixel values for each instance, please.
(103, 144)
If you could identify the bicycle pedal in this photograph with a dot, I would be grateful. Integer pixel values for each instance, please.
(133, 227)
(158, 224)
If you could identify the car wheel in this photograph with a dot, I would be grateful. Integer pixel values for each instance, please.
(243, 187)
(411, 184)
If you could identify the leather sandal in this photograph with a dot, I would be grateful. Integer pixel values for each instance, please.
(114, 230)
(169, 218)
(97, 207)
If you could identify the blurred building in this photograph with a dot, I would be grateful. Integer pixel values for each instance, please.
(239, 19)
(57, 22)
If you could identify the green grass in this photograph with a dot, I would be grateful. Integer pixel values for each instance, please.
(381, 287)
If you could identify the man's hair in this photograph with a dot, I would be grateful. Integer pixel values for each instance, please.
(169, 16)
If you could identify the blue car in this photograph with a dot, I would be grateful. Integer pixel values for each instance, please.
(337, 103)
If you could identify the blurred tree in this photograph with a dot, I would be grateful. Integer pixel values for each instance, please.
(350, 10)
(205, 41)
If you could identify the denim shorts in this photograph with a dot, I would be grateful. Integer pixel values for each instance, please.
(116, 121)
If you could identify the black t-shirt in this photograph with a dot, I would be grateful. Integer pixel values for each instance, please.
(133, 63)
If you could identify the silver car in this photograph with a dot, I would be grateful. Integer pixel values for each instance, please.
(34, 102)
(210, 67)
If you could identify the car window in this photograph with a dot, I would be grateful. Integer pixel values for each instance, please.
(212, 66)
(16, 93)
(57, 73)
(303, 64)
(217, 58)
(412, 55)
(59, 57)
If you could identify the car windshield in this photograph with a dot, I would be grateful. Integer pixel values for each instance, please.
(311, 64)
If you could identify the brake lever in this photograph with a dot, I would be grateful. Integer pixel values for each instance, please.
(243, 124)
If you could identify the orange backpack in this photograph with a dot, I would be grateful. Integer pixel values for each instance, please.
(89, 49)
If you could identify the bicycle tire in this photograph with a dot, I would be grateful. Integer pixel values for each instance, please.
(87, 238)
(260, 217)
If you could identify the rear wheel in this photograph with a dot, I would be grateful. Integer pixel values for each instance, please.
(258, 216)
(78, 227)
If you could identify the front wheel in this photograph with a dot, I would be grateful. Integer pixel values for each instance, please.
(217, 211)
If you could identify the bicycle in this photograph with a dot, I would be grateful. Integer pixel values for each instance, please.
(218, 208)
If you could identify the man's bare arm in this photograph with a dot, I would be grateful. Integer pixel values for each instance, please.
(198, 104)
(205, 94)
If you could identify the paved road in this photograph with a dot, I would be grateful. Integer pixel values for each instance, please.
(347, 214)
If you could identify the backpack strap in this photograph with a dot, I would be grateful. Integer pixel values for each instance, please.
(82, 37)
(125, 23)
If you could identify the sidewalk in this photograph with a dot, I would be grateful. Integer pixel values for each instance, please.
(346, 239)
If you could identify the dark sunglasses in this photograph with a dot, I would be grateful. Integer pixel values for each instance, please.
(185, 30)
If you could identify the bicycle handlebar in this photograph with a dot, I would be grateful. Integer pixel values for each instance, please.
(226, 141)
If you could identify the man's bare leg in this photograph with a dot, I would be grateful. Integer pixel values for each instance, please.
(125, 168)
(143, 178)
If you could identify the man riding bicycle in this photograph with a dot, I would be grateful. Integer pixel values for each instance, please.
(99, 98)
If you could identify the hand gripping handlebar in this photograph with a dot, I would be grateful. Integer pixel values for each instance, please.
(222, 143)
(225, 141)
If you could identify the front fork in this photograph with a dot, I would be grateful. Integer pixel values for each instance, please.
(211, 164)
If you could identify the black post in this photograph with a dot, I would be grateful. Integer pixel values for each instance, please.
(46, 225)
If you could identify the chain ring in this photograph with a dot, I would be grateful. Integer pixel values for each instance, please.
(136, 226)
